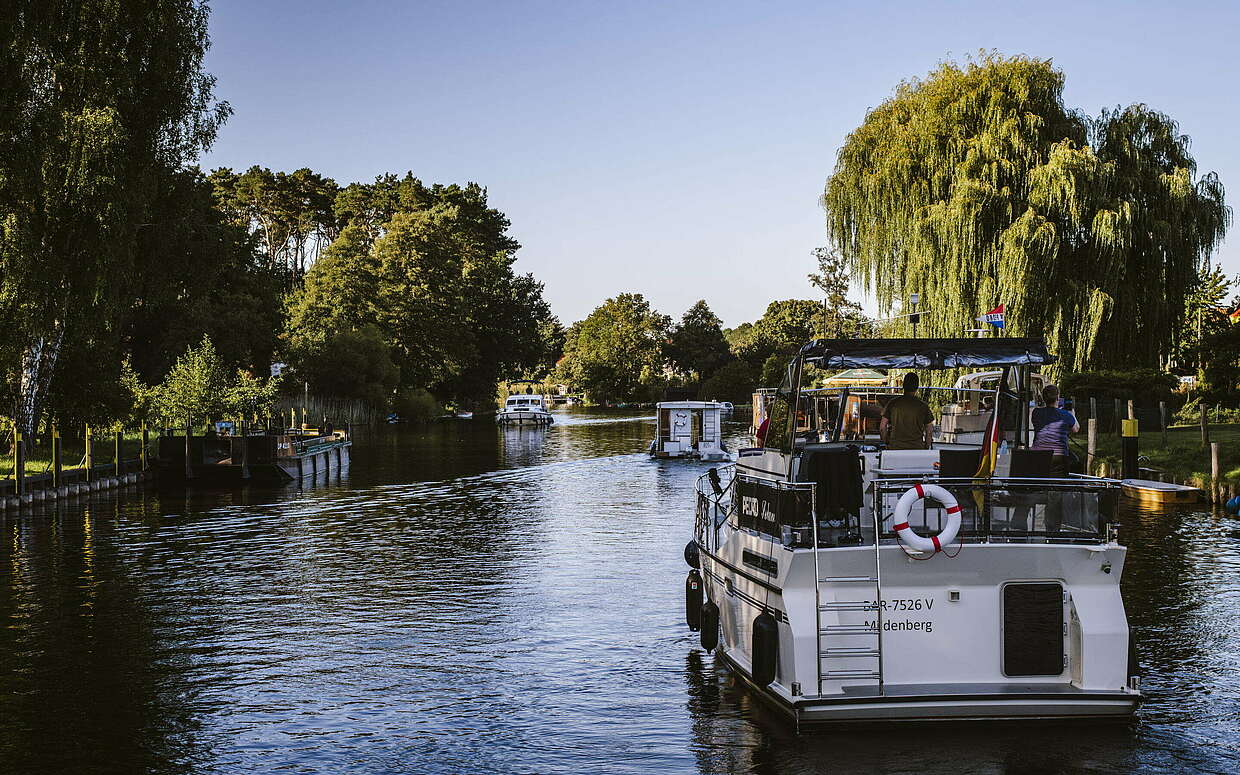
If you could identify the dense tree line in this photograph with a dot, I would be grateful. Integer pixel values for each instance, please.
(123, 266)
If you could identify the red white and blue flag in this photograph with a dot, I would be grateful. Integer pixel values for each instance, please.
(994, 317)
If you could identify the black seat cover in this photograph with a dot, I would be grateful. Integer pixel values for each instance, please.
(837, 473)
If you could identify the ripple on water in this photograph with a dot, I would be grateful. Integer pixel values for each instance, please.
(472, 599)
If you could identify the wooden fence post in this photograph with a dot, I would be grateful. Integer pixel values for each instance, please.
(1092, 453)
(90, 456)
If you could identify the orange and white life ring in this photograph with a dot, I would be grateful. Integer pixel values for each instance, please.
(905, 506)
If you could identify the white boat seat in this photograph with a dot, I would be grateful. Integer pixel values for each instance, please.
(908, 461)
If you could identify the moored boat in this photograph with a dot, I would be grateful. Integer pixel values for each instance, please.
(688, 429)
(849, 582)
(524, 409)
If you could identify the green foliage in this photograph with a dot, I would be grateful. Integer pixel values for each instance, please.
(351, 364)
(616, 353)
(783, 330)
(841, 316)
(1147, 386)
(430, 268)
(200, 387)
(696, 346)
(734, 381)
(416, 405)
(977, 186)
(102, 103)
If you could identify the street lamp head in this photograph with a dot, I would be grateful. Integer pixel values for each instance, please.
(915, 298)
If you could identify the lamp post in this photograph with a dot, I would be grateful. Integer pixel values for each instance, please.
(915, 317)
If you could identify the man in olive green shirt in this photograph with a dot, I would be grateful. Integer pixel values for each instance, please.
(907, 421)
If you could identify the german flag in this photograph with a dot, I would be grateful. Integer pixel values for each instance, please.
(1234, 315)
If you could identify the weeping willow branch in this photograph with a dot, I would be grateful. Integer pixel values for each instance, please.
(977, 186)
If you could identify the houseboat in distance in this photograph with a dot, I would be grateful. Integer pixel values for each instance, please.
(689, 429)
(847, 582)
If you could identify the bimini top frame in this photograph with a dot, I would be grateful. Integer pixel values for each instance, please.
(926, 353)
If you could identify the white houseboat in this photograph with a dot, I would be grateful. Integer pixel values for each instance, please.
(524, 409)
(689, 429)
(848, 582)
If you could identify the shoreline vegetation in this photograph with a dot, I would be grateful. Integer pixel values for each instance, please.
(172, 293)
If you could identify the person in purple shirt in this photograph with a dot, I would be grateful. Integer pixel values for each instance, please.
(1051, 426)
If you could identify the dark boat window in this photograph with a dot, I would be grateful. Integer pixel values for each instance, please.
(1033, 625)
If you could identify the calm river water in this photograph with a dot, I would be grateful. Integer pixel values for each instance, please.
(470, 600)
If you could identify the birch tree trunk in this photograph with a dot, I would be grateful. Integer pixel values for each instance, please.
(38, 364)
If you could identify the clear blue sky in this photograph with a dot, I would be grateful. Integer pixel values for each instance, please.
(676, 149)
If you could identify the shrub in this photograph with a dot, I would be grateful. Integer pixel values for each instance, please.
(417, 405)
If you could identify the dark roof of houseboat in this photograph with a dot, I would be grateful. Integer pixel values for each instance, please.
(926, 353)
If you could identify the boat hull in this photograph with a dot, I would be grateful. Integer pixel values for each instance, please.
(524, 418)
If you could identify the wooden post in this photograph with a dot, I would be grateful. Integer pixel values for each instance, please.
(1216, 486)
(118, 443)
(146, 439)
(189, 461)
(90, 456)
(1205, 429)
(1132, 409)
(19, 462)
(1162, 414)
(57, 460)
(1093, 408)
(1092, 454)
(1129, 453)
(245, 451)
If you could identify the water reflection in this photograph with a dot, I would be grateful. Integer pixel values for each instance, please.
(467, 599)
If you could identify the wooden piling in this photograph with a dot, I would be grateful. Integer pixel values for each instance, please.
(146, 439)
(1092, 453)
(1132, 409)
(19, 462)
(118, 443)
(1205, 429)
(1162, 414)
(1119, 430)
(57, 460)
(1215, 485)
(189, 461)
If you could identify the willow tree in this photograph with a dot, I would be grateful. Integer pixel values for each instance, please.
(977, 186)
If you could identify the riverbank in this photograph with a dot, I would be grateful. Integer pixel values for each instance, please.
(1182, 458)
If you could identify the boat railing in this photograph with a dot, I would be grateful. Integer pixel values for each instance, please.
(1071, 509)
(1019, 509)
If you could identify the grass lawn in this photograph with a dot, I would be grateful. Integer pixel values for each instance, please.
(72, 451)
(1182, 456)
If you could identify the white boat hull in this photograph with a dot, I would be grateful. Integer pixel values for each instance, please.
(524, 417)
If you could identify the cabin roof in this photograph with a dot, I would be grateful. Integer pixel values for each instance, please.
(687, 405)
(926, 353)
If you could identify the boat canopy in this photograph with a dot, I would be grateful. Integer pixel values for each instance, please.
(926, 353)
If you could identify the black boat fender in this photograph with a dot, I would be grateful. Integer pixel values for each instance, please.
(710, 625)
(693, 600)
(764, 655)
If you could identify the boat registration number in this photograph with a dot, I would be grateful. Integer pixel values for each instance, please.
(908, 604)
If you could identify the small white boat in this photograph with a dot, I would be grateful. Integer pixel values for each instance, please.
(689, 429)
(524, 409)
(726, 407)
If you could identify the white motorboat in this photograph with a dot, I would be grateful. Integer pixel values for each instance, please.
(847, 582)
(689, 429)
(524, 409)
